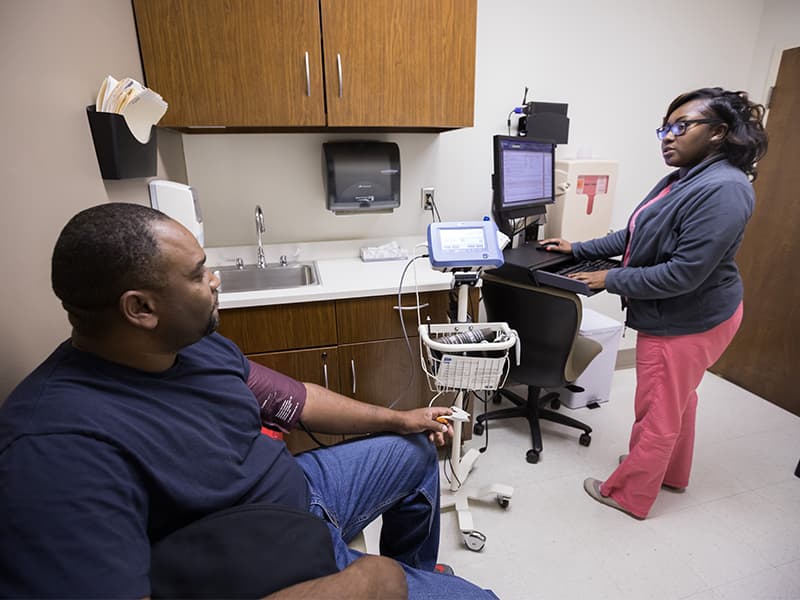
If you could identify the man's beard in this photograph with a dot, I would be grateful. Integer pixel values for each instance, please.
(213, 323)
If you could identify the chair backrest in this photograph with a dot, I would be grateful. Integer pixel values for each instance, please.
(547, 321)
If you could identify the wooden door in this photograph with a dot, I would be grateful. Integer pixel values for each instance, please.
(402, 64)
(385, 373)
(765, 354)
(382, 373)
(319, 366)
(233, 63)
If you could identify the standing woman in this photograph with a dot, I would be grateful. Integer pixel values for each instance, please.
(679, 282)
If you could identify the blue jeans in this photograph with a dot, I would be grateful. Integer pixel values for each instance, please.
(396, 477)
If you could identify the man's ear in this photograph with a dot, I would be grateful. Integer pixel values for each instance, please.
(138, 308)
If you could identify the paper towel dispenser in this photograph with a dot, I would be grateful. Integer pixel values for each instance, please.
(180, 202)
(361, 176)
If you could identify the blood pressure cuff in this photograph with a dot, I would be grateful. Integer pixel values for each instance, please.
(247, 551)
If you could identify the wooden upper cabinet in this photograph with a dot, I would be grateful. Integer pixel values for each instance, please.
(233, 62)
(391, 63)
(259, 63)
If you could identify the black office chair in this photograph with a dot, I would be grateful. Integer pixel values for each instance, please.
(553, 353)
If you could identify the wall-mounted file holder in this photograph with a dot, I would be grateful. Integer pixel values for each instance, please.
(119, 154)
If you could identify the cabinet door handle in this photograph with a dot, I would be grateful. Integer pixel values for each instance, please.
(308, 78)
(339, 68)
(414, 307)
(353, 373)
(324, 357)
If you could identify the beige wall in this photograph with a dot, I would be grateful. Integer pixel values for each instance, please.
(617, 62)
(54, 55)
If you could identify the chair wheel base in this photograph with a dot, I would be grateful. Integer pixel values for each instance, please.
(532, 456)
(474, 540)
(585, 439)
(477, 429)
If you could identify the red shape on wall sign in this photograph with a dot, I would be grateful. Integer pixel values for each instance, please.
(591, 185)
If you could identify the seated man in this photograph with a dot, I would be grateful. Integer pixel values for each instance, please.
(146, 421)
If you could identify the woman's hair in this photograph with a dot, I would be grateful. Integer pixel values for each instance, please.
(102, 252)
(746, 141)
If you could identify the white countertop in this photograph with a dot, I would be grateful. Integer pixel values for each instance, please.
(342, 273)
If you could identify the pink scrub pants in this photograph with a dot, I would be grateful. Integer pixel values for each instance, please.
(668, 371)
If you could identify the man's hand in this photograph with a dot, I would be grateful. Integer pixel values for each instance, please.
(328, 412)
(424, 419)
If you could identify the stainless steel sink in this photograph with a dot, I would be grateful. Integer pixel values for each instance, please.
(273, 276)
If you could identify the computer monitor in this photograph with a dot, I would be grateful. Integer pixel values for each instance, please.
(524, 178)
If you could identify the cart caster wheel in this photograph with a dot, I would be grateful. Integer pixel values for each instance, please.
(477, 429)
(532, 457)
(585, 439)
(474, 540)
(503, 501)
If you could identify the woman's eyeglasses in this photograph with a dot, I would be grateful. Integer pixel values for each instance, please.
(679, 127)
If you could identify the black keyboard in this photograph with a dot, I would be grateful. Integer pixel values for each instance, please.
(587, 265)
(558, 277)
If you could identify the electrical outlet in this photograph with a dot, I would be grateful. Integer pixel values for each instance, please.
(427, 198)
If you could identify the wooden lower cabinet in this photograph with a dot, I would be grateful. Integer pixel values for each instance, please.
(280, 327)
(319, 366)
(356, 347)
(383, 373)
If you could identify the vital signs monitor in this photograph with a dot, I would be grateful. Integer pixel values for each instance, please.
(464, 245)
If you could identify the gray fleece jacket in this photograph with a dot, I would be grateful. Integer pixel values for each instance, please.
(681, 277)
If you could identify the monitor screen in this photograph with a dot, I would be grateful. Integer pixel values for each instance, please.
(464, 245)
(523, 176)
(469, 238)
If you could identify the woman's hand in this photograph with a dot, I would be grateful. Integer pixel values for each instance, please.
(557, 245)
(596, 280)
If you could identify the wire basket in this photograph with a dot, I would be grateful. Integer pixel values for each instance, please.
(481, 365)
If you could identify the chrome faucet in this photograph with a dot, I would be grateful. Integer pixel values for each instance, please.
(262, 262)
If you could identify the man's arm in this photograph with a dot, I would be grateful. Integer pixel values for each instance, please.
(328, 412)
(368, 578)
(284, 401)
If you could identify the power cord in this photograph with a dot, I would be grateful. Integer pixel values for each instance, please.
(485, 401)
(400, 308)
(508, 121)
(311, 435)
(435, 216)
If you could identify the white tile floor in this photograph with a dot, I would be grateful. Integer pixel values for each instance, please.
(734, 533)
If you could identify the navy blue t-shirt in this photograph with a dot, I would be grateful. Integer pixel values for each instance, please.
(98, 460)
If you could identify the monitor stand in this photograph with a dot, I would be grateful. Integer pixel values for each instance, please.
(457, 496)
(531, 231)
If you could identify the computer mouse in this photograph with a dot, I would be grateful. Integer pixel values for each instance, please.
(541, 246)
